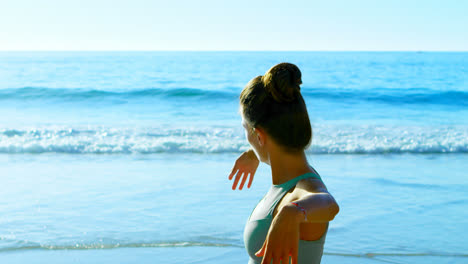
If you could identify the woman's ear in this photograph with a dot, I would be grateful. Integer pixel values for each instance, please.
(260, 136)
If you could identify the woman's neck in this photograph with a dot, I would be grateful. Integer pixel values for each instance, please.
(286, 166)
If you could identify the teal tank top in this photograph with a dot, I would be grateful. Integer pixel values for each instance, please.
(258, 224)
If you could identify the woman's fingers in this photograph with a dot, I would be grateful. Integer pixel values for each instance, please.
(236, 180)
(267, 258)
(276, 260)
(271, 252)
(281, 243)
(250, 179)
(245, 167)
(233, 172)
(243, 180)
(238, 175)
(294, 252)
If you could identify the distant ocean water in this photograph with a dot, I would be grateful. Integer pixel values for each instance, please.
(67, 119)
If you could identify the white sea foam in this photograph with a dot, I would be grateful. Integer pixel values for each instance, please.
(328, 139)
(390, 139)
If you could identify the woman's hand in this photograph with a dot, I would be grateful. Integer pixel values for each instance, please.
(282, 240)
(245, 165)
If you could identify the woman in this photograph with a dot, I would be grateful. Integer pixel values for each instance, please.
(290, 223)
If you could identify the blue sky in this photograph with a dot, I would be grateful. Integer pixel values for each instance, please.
(234, 25)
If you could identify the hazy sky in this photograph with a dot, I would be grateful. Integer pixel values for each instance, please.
(234, 25)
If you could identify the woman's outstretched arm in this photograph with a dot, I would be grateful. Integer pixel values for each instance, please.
(315, 205)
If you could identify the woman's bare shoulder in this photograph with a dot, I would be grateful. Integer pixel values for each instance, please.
(312, 185)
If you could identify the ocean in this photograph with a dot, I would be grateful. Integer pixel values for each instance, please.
(124, 157)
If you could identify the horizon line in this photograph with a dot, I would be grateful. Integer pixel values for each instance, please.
(162, 50)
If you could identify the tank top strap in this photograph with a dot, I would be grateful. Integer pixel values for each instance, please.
(277, 192)
(291, 183)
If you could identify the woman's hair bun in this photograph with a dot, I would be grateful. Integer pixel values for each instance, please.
(283, 82)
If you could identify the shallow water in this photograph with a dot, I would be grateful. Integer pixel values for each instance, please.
(391, 205)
